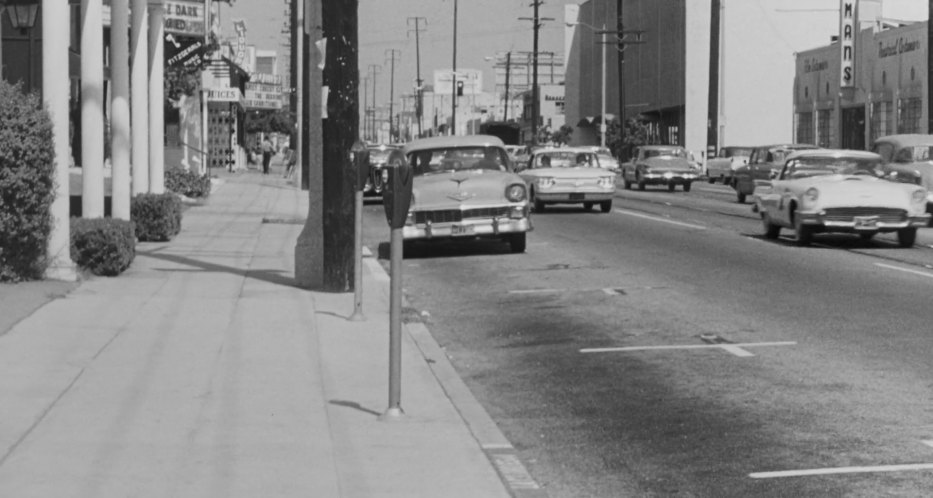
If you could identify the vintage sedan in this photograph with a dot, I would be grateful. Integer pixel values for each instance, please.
(568, 176)
(378, 155)
(723, 166)
(659, 165)
(839, 191)
(764, 163)
(464, 188)
(908, 159)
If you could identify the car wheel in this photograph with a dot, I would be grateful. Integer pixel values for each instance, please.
(772, 231)
(906, 237)
(670, 187)
(740, 197)
(804, 233)
(687, 187)
(517, 242)
(641, 182)
(587, 206)
(711, 180)
(605, 206)
(627, 184)
(539, 206)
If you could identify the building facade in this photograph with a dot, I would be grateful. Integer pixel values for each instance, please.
(888, 93)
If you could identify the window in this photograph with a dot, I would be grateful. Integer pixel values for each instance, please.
(881, 123)
(824, 136)
(805, 128)
(909, 115)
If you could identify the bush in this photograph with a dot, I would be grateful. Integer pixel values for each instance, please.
(157, 216)
(103, 246)
(187, 183)
(27, 187)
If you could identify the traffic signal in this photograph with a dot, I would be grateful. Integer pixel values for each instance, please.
(459, 88)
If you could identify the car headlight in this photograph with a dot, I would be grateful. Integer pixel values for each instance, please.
(545, 181)
(606, 181)
(385, 176)
(646, 170)
(811, 196)
(515, 192)
(919, 196)
(668, 174)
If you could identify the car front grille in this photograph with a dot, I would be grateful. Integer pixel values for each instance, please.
(455, 215)
(885, 215)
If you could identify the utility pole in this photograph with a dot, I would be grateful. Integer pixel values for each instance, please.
(929, 66)
(508, 73)
(453, 81)
(392, 52)
(712, 130)
(365, 107)
(537, 21)
(375, 69)
(621, 65)
(419, 87)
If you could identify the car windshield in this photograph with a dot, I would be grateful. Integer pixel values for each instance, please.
(563, 159)
(736, 151)
(379, 155)
(432, 161)
(671, 152)
(813, 166)
(916, 153)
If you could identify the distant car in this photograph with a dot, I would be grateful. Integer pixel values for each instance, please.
(764, 163)
(378, 155)
(908, 159)
(464, 187)
(831, 190)
(722, 167)
(568, 176)
(659, 165)
(518, 154)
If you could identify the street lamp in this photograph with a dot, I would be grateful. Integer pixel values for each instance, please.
(22, 13)
(602, 118)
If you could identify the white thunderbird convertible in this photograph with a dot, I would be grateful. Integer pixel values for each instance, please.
(839, 191)
(568, 176)
(464, 187)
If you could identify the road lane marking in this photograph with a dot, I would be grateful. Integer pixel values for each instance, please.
(736, 349)
(928, 442)
(905, 270)
(536, 291)
(662, 220)
(841, 470)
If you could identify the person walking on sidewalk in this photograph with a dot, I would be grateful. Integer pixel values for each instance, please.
(266, 155)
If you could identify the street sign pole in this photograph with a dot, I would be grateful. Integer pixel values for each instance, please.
(357, 315)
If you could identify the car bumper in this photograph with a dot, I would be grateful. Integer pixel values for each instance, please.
(479, 227)
(577, 196)
(860, 223)
(667, 179)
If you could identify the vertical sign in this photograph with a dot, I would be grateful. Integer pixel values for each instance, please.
(848, 26)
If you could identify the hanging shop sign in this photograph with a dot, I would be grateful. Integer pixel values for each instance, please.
(223, 95)
(183, 51)
(185, 17)
(848, 23)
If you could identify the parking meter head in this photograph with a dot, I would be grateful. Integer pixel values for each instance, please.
(359, 160)
(396, 198)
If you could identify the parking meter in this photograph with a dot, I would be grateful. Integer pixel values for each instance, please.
(359, 157)
(396, 197)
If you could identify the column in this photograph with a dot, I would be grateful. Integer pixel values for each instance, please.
(120, 108)
(55, 90)
(139, 81)
(92, 109)
(156, 98)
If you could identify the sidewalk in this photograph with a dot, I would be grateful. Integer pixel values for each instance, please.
(203, 371)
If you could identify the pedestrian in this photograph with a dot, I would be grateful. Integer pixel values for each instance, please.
(291, 159)
(266, 155)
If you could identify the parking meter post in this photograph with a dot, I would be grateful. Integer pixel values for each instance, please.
(360, 159)
(395, 326)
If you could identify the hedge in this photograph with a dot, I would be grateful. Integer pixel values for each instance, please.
(157, 216)
(103, 246)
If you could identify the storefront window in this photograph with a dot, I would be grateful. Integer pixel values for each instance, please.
(823, 130)
(909, 115)
(881, 119)
(805, 128)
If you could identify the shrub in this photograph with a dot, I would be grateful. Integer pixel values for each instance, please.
(187, 183)
(157, 216)
(27, 187)
(103, 246)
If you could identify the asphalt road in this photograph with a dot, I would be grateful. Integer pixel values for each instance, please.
(759, 356)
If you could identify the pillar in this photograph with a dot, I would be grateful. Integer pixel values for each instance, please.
(139, 81)
(55, 90)
(92, 109)
(120, 108)
(156, 98)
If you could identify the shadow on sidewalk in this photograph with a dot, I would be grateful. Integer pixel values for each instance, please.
(355, 406)
(271, 276)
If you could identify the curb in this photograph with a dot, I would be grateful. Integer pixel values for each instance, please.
(500, 452)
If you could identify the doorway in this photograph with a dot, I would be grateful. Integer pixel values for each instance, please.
(853, 128)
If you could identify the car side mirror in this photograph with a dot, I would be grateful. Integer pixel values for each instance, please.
(773, 175)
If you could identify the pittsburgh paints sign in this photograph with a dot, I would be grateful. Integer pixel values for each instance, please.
(848, 22)
(185, 17)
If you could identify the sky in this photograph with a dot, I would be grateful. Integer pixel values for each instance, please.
(484, 29)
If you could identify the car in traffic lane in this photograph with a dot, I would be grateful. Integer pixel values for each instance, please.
(764, 163)
(378, 155)
(568, 176)
(722, 167)
(659, 165)
(832, 190)
(464, 188)
(908, 159)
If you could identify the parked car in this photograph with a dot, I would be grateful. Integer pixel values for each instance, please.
(659, 165)
(908, 159)
(723, 166)
(831, 190)
(764, 163)
(378, 155)
(568, 176)
(464, 187)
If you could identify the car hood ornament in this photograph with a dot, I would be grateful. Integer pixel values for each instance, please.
(459, 195)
